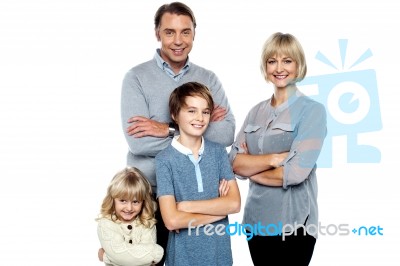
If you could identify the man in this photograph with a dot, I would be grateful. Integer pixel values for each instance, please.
(146, 89)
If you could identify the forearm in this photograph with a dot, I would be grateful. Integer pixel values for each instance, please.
(223, 205)
(222, 132)
(249, 165)
(175, 219)
(272, 178)
(118, 251)
(134, 254)
(217, 206)
(182, 220)
(146, 146)
(134, 104)
(141, 146)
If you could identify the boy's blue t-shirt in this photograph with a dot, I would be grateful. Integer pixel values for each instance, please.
(176, 175)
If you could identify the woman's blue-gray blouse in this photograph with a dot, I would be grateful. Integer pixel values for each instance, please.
(297, 126)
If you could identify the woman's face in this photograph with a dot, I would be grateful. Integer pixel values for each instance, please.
(281, 70)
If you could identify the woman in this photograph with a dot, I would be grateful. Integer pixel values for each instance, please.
(277, 149)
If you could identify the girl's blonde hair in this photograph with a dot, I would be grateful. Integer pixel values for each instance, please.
(130, 184)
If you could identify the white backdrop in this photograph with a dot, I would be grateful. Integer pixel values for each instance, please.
(61, 141)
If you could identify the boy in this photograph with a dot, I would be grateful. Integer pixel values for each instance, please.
(196, 185)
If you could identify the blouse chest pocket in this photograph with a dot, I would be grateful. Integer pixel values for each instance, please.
(281, 136)
(252, 135)
(283, 127)
(251, 128)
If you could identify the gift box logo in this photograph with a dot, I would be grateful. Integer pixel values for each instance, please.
(352, 104)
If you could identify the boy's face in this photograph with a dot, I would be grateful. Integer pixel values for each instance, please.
(194, 117)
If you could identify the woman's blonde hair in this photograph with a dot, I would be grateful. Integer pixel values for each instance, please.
(284, 44)
(130, 184)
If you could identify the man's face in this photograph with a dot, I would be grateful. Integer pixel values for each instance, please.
(176, 34)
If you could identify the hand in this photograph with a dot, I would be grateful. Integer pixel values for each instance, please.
(244, 147)
(100, 254)
(223, 188)
(142, 127)
(218, 114)
(278, 158)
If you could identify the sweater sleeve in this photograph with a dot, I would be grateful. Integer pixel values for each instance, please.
(119, 252)
(222, 132)
(134, 103)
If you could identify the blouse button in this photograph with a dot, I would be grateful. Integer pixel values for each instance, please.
(129, 227)
(130, 241)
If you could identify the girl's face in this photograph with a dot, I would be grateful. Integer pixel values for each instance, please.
(127, 210)
(281, 70)
(193, 118)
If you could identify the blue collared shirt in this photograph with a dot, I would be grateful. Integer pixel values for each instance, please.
(184, 150)
(164, 66)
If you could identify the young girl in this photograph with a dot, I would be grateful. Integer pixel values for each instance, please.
(195, 184)
(126, 227)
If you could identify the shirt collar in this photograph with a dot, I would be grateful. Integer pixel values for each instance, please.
(184, 150)
(164, 66)
(292, 99)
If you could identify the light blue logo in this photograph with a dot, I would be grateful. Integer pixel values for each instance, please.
(352, 104)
